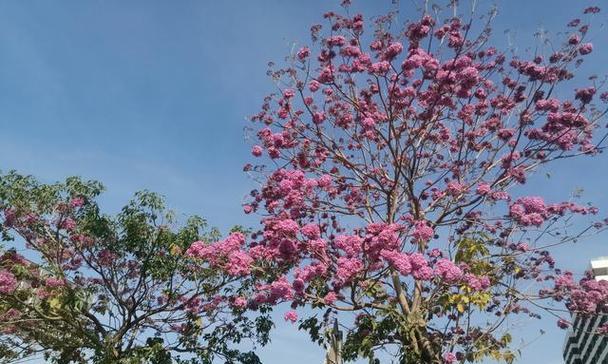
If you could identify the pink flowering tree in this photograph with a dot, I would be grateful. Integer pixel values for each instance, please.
(393, 161)
(79, 286)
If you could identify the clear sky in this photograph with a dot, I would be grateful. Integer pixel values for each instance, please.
(155, 94)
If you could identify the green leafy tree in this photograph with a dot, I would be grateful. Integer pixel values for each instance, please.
(80, 286)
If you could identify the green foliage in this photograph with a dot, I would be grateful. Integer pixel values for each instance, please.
(99, 288)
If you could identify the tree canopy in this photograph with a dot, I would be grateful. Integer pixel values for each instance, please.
(78, 285)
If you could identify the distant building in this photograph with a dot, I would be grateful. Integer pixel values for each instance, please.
(583, 345)
(599, 266)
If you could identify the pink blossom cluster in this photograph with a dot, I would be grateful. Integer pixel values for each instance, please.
(226, 254)
(346, 269)
(291, 316)
(422, 232)
(77, 202)
(413, 264)
(447, 270)
(67, 224)
(312, 271)
(106, 257)
(532, 210)
(567, 128)
(239, 302)
(587, 296)
(8, 282)
(585, 48)
(288, 190)
(53, 282)
(449, 358)
(477, 283)
(381, 236)
(529, 211)
(351, 245)
(485, 189)
(591, 296)
(279, 290)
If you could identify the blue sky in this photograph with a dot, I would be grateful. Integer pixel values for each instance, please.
(155, 94)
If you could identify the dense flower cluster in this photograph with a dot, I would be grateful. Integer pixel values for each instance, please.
(291, 316)
(587, 296)
(226, 254)
(8, 283)
(447, 270)
(532, 211)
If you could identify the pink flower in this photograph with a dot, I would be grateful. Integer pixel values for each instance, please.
(585, 48)
(455, 188)
(225, 254)
(325, 181)
(54, 282)
(529, 211)
(393, 50)
(449, 358)
(105, 258)
(506, 133)
(483, 189)
(400, 261)
(500, 195)
(330, 298)
(468, 76)
(68, 224)
(422, 232)
(298, 285)
(311, 231)
(548, 105)
(380, 67)
(239, 302)
(287, 227)
(291, 316)
(42, 293)
(326, 75)
(256, 151)
(476, 283)
(303, 53)
(350, 244)
(77, 202)
(8, 283)
(318, 117)
(447, 270)
(574, 39)
(280, 290)
(288, 93)
(592, 10)
(311, 272)
(423, 273)
(585, 94)
(336, 40)
(347, 268)
(239, 263)
(368, 123)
